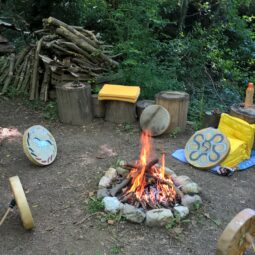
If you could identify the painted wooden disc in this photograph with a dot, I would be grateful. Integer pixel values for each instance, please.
(207, 148)
(21, 201)
(156, 119)
(233, 239)
(39, 145)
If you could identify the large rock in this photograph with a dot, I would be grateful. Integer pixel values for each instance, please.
(133, 214)
(158, 217)
(192, 202)
(101, 193)
(181, 211)
(112, 204)
(171, 172)
(190, 188)
(105, 182)
(181, 180)
(111, 173)
(121, 171)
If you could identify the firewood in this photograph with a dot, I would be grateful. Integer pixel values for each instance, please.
(10, 73)
(84, 45)
(35, 70)
(25, 83)
(45, 83)
(22, 74)
(59, 23)
(120, 186)
(21, 57)
(74, 47)
(4, 67)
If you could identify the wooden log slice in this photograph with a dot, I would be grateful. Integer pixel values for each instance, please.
(98, 106)
(176, 103)
(39, 145)
(21, 201)
(207, 148)
(141, 105)
(247, 114)
(156, 119)
(233, 239)
(74, 103)
(120, 112)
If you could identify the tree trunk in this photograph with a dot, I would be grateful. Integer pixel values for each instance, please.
(74, 103)
(176, 103)
(120, 112)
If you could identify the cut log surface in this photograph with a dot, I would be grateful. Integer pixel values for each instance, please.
(74, 103)
(141, 105)
(120, 112)
(176, 103)
(247, 114)
(98, 106)
(156, 119)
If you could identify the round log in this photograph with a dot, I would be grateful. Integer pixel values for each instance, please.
(120, 112)
(211, 119)
(74, 103)
(247, 114)
(155, 118)
(98, 107)
(176, 103)
(141, 105)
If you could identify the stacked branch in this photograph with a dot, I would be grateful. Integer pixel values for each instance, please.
(62, 51)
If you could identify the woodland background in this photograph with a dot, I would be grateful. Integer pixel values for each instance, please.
(206, 48)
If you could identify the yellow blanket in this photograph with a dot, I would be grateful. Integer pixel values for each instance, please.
(236, 154)
(241, 136)
(119, 92)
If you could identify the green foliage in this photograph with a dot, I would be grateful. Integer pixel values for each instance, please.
(95, 205)
(205, 48)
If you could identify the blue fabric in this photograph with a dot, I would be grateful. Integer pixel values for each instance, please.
(180, 155)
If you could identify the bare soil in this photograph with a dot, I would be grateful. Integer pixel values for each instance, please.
(58, 194)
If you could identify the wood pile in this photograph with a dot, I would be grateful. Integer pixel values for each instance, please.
(63, 53)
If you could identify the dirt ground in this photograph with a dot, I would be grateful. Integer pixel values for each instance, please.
(58, 194)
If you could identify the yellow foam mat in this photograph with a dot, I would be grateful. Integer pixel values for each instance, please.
(236, 154)
(239, 129)
(119, 92)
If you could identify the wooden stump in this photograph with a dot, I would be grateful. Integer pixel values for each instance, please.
(120, 112)
(141, 105)
(211, 119)
(74, 103)
(247, 114)
(176, 103)
(98, 106)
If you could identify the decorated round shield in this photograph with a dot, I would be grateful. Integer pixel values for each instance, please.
(39, 145)
(207, 148)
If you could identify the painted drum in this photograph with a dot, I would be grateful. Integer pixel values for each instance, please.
(207, 148)
(21, 201)
(156, 119)
(233, 240)
(39, 145)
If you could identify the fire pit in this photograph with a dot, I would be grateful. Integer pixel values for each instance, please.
(147, 190)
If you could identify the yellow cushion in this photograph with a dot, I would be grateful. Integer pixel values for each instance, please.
(236, 154)
(119, 92)
(239, 129)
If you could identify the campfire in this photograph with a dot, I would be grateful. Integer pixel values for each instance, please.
(148, 190)
(147, 184)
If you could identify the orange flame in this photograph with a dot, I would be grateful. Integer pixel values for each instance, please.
(161, 191)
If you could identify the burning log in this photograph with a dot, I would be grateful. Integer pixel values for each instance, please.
(120, 186)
